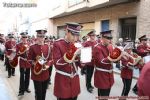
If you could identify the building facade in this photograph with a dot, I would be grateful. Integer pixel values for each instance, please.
(127, 18)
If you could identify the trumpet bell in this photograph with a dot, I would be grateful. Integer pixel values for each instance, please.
(115, 53)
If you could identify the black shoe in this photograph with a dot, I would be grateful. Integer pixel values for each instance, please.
(13, 74)
(90, 90)
(9, 76)
(21, 93)
(28, 91)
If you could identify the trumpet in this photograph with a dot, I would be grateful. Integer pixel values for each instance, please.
(135, 57)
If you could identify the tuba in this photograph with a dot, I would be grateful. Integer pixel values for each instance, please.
(39, 65)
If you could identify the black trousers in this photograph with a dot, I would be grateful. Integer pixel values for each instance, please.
(103, 92)
(2, 57)
(11, 70)
(24, 79)
(83, 70)
(89, 75)
(50, 72)
(126, 86)
(75, 98)
(40, 89)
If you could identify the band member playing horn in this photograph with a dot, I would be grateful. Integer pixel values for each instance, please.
(142, 50)
(90, 66)
(103, 58)
(22, 50)
(67, 85)
(127, 69)
(10, 50)
(40, 58)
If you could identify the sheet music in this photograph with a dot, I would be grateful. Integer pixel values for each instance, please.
(86, 54)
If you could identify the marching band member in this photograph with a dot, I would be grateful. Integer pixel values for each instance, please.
(142, 50)
(24, 65)
(67, 85)
(40, 58)
(84, 39)
(2, 47)
(129, 62)
(10, 48)
(90, 66)
(103, 58)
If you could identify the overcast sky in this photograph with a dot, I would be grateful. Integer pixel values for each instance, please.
(8, 15)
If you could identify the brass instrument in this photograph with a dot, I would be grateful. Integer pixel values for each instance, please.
(13, 59)
(23, 49)
(40, 65)
(135, 58)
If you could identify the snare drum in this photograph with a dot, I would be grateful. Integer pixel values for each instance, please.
(146, 59)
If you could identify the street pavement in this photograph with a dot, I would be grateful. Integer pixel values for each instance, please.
(9, 87)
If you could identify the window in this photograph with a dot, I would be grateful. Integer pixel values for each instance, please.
(105, 25)
(128, 28)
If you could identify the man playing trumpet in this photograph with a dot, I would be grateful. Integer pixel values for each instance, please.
(129, 61)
